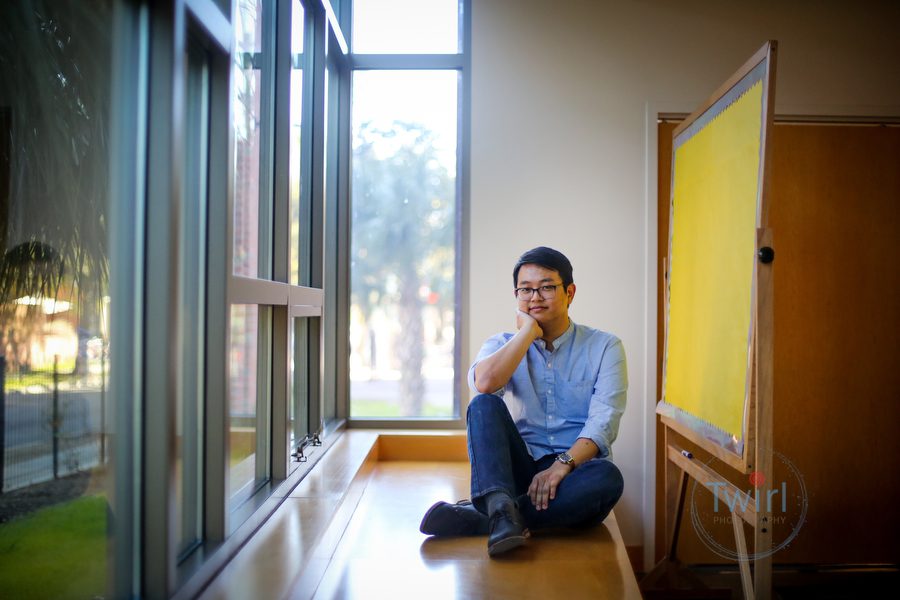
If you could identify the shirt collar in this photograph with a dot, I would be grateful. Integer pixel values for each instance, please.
(558, 342)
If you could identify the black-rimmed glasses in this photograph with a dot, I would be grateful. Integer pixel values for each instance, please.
(546, 291)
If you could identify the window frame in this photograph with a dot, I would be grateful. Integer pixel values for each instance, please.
(289, 302)
(146, 558)
(128, 179)
(460, 62)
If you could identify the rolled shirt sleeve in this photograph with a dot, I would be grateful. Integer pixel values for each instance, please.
(608, 400)
(491, 345)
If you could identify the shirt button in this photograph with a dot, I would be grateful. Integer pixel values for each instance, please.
(549, 364)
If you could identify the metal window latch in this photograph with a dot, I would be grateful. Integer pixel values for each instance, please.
(309, 440)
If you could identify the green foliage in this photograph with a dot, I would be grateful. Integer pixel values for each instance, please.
(56, 552)
(403, 214)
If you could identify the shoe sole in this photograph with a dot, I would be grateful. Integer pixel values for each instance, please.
(506, 544)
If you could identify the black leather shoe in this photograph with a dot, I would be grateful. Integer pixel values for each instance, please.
(448, 520)
(507, 531)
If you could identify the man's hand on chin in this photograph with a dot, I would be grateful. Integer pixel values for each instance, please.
(543, 487)
(524, 320)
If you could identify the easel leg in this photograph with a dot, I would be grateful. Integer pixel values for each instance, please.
(740, 542)
(668, 566)
(676, 519)
(765, 323)
(676, 489)
(762, 577)
(676, 481)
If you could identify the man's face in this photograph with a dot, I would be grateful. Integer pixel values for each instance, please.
(544, 310)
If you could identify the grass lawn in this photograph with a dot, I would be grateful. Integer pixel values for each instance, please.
(21, 383)
(55, 552)
(362, 407)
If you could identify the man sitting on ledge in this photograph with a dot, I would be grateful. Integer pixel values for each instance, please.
(541, 429)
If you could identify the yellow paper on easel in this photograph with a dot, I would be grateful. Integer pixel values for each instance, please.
(715, 191)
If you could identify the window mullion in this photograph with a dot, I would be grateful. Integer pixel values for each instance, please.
(317, 155)
(316, 44)
(342, 291)
(281, 239)
(361, 62)
(219, 266)
(267, 104)
(161, 338)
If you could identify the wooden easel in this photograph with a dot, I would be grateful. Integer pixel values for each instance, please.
(756, 455)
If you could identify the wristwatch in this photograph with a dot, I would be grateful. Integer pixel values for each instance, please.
(566, 459)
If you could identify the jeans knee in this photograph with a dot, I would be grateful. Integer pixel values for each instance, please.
(605, 480)
(608, 485)
(484, 403)
(613, 481)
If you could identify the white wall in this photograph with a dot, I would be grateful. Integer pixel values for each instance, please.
(564, 100)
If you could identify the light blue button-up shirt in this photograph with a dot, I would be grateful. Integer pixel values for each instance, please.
(577, 390)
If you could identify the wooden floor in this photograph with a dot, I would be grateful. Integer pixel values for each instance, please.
(372, 548)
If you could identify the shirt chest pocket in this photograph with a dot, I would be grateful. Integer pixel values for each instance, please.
(575, 398)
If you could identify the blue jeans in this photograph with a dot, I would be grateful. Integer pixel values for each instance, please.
(501, 462)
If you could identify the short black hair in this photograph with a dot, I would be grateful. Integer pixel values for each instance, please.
(547, 258)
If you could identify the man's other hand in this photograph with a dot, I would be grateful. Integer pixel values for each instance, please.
(543, 487)
(526, 321)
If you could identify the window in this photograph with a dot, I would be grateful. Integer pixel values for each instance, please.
(403, 243)
(298, 393)
(299, 161)
(248, 401)
(406, 208)
(61, 288)
(406, 27)
(249, 391)
(252, 125)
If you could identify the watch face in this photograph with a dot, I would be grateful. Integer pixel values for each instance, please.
(565, 457)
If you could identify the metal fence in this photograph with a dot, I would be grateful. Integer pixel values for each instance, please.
(51, 425)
